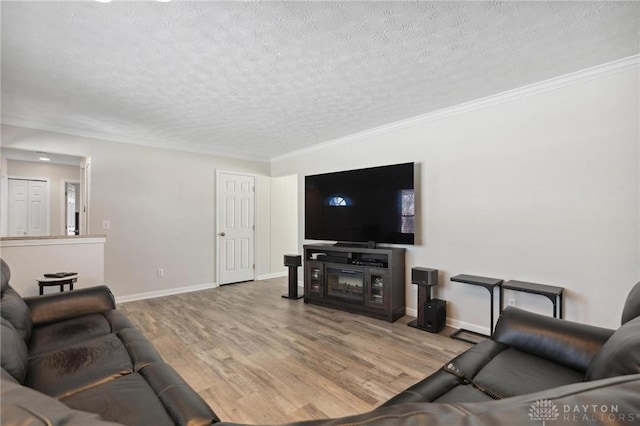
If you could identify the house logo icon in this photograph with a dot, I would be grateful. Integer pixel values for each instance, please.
(543, 410)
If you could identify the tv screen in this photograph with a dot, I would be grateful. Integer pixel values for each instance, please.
(373, 204)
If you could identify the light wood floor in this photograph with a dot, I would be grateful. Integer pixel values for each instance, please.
(258, 358)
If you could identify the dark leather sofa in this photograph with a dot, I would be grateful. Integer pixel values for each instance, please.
(69, 354)
(531, 353)
(71, 359)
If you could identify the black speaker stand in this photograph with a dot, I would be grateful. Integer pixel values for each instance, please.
(292, 261)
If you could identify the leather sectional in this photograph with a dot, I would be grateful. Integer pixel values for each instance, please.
(74, 350)
(72, 359)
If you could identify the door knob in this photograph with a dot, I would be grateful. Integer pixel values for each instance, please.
(222, 234)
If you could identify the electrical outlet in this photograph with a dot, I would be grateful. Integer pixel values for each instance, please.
(511, 302)
(160, 272)
(106, 224)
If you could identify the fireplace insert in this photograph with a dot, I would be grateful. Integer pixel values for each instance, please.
(345, 284)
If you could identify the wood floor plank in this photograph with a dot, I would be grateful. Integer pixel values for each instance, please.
(258, 358)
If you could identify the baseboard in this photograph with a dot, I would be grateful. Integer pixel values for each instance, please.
(167, 292)
(269, 276)
(453, 323)
(411, 312)
(187, 289)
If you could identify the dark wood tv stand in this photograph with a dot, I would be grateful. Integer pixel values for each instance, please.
(368, 281)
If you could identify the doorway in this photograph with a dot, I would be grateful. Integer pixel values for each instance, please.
(72, 205)
(55, 171)
(235, 236)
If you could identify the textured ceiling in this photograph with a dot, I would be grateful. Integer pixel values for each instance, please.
(262, 79)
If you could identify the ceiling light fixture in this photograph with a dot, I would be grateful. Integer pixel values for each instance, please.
(103, 1)
(44, 159)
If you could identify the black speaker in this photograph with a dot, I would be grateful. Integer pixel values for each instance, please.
(424, 276)
(292, 260)
(435, 315)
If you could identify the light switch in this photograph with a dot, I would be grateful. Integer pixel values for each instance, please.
(106, 224)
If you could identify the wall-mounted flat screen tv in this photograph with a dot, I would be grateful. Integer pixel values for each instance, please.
(374, 204)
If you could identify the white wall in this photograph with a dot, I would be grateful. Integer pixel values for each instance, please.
(284, 221)
(542, 188)
(161, 207)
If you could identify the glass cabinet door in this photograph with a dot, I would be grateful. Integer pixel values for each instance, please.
(315, 279)
(376, 288)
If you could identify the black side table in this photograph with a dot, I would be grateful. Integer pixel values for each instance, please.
(551, 292)
(61, 281)
(490, 284)
(292, 261)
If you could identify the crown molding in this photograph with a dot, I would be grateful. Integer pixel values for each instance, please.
(94, 135)
(556, 83)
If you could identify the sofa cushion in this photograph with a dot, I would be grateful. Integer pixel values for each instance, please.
(127, 400)
(620, 355)
(441, 383)
(13, 309)
(60, 334)
(13, 352)
(156, 395)
(75, 367)
(513, 372)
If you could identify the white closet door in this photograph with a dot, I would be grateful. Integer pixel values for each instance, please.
(28, 201)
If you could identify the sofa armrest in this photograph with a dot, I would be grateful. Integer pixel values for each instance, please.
(181, 401)
(61, 306)
(565, 342)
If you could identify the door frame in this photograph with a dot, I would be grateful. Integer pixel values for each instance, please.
(47, 182)
(217, 221)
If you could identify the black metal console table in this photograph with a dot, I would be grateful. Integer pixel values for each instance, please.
(553, 293)
(490, 284)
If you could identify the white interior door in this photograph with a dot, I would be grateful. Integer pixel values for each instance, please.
(236, 227)
(28, 208)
